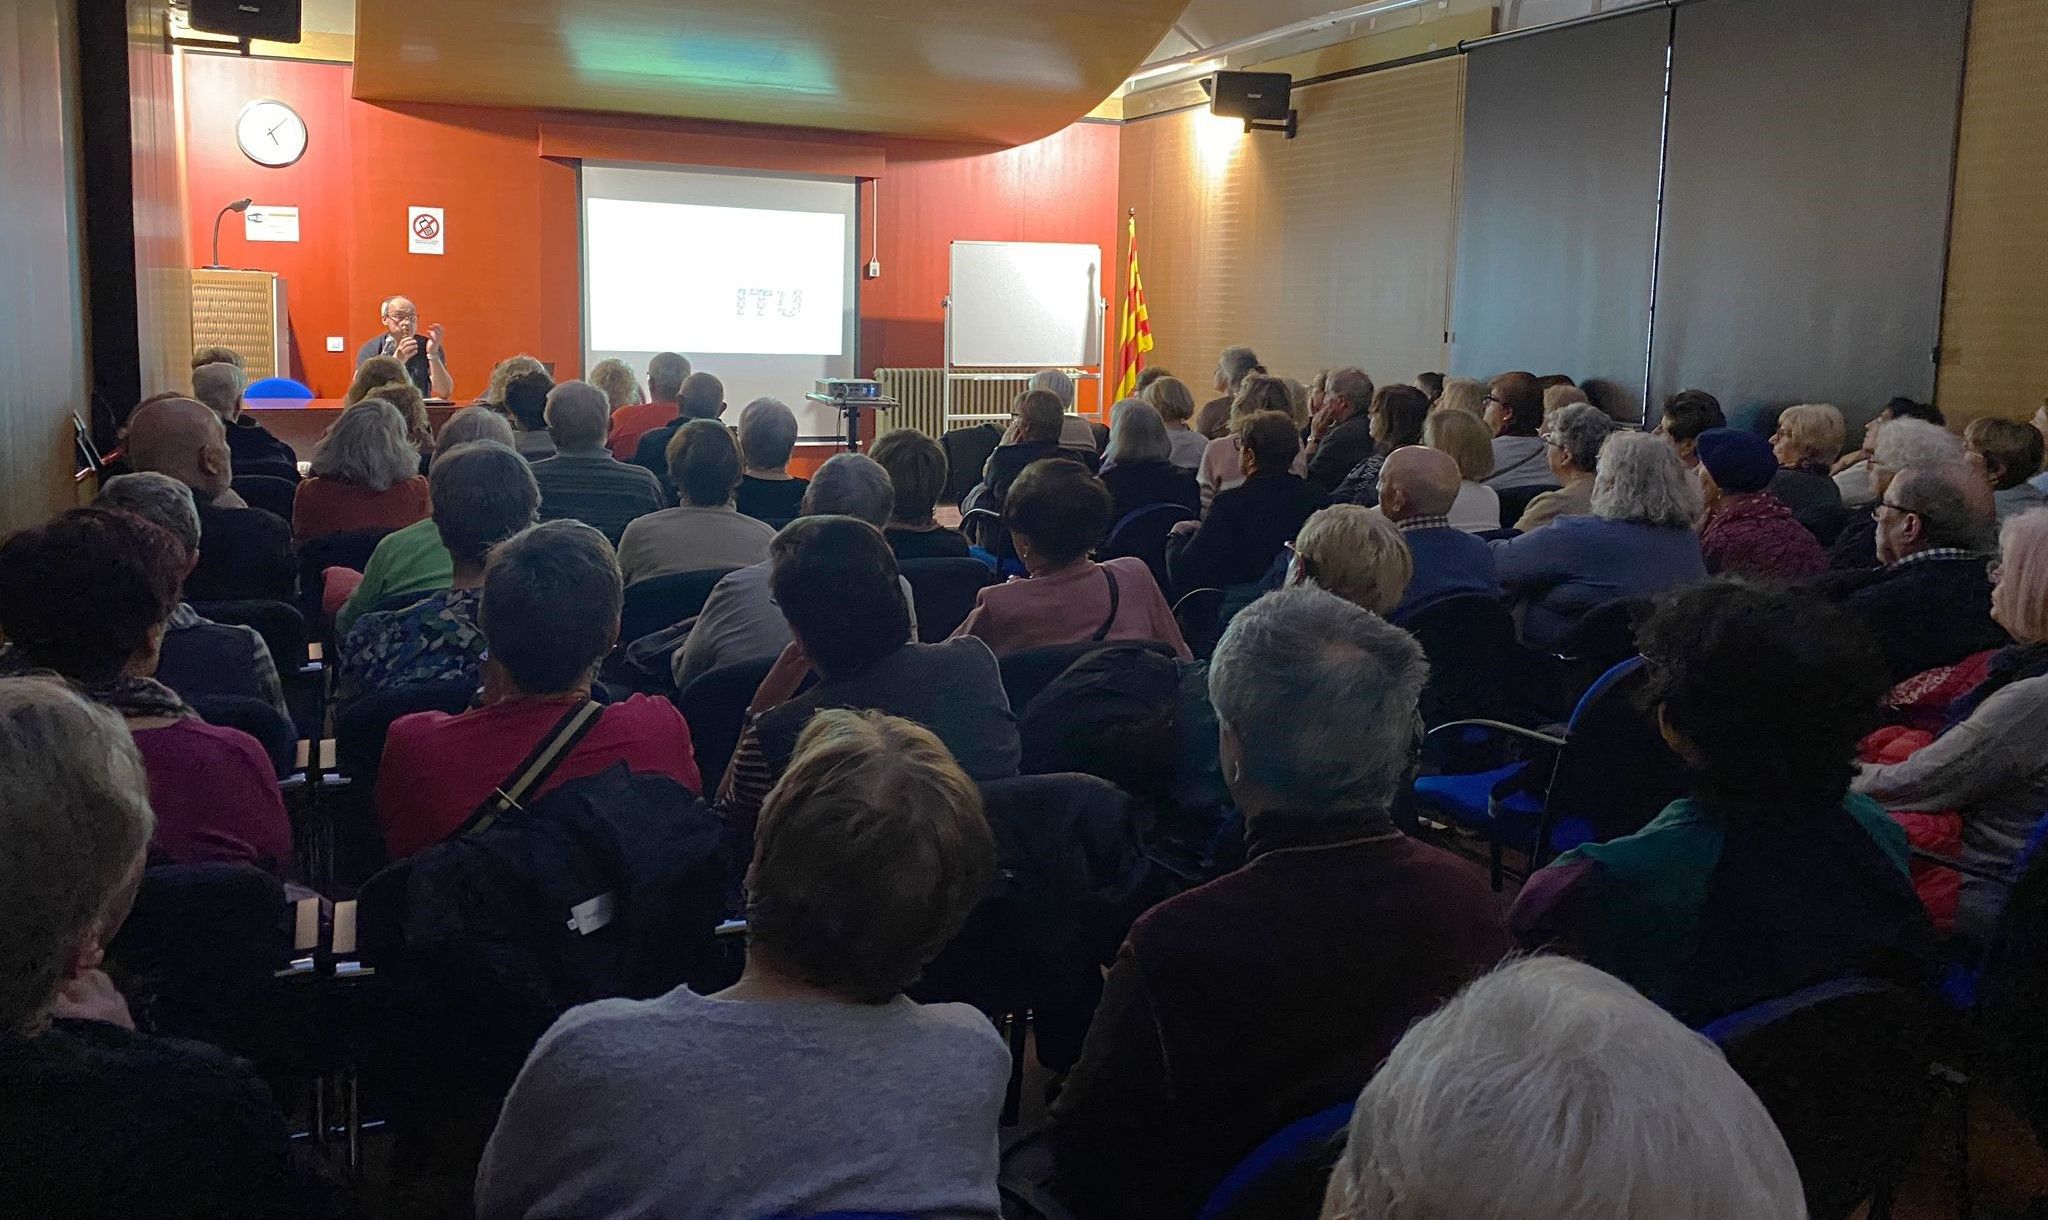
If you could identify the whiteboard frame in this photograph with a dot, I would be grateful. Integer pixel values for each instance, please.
(1022, 373)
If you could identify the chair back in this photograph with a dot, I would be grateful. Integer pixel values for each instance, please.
(345, 549)
(361, 726)
(268, 492)
(1200, 615)
(1842, 1067)
(967, 451)
(1027, 673)
(278, 388)
(715, 707)
(1514, 501)
(280, 624)
(2013, 988)
(983, 527)
(664, 601)
(1615, 770)
(1285, 1175)
(1142, 535)
(1469, 640)
(945, 591)
(272, 731)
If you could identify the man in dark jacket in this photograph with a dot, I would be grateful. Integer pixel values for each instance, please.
(703, 397)
(252, 449)
(1340, 435)
(1271, 993)
(1930, 604)
(248, 552)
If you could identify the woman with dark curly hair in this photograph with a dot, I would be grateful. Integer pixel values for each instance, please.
(1771, 876)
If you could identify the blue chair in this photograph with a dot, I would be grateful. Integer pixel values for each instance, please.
(279, 388)
(1606, 776)
(1285, 1175)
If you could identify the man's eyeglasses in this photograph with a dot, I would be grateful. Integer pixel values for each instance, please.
(1898, 508)
(401, 317)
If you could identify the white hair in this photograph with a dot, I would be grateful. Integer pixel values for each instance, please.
(1548, 1090)
(158, 499)
(1056, 383)
(852, 485)
(1137, 434)
(1321, 696)
(1581, 430)
(1905, 443)
(368, 446)
(219, 386)
(578, 414)
(473, 424)
(767, 434)
(1642, 480)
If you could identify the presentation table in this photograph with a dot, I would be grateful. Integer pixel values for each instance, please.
(851, 409)
(301, 423)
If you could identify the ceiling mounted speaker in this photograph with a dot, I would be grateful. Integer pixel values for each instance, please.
(1259, 98)
(270, 20)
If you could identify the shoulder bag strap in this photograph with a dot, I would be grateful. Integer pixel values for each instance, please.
(540, 764)
(1102, 632)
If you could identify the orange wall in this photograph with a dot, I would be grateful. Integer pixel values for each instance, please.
(511, 279)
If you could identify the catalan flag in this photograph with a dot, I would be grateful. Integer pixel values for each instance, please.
(1135, 334)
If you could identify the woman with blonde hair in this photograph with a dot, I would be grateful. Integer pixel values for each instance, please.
(621, 385)
(1354, 552)
(1223, 461)
(1463, 394)
(1469, 441)
(1808, 439)
(1176, 404)
(366, 475)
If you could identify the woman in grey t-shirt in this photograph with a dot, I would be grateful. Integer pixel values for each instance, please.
(811, 1085)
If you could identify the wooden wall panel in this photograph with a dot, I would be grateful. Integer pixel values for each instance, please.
(1332, 248)
(42, 330)
(163, 289)
(1994, 360)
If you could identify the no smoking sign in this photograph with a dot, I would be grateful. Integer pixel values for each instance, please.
(426, 231)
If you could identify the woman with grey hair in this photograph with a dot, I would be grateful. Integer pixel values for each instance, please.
(1548, 1090)
(103, 1120)
(1139, 469)
(1637, 542)
(1573, 436)
(768, 492)
(1272, 992)
(365, 476)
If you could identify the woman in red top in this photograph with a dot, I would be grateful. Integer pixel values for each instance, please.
(366, 475)
(551, 602)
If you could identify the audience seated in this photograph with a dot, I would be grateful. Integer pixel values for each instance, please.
(1992, 765)
(1464, 394)
(1808, 438)
(97, 1119)
(1573, 435)
(768, 492)
(837, 585)
(88, 597)
(1236, 364)
(1034, 433)
(550, 613)
(372, 375)
(1077, 435)
(916, 465)
(1469, 442)
(705, 531)
(1637, 542)
(1057, 513)
(615, 379)
(1139, 469)
(526, 402)
(253, 449)
(250, 553)
(1272, 993)
(583, 481)
(197, 656)
(1559, 396)
(1548, 1089)
(2007, 454)
(1176, 404)
(419, 430)
(1223, 461)
(365, 476)
(665, 375)
(1354, 552)
(1514, 411)
(1913, 442)
(1397, 416)
(483, 494)
(1417, 489)
(812, 1086)
(1930, 604)
(1748, 531)
(702, 397)
(1771, 877)
(1686, 414)
(414, 560)
(1855, 473)
(1340, 430)
(1248, 524)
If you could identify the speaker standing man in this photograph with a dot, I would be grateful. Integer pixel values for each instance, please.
(422, 356)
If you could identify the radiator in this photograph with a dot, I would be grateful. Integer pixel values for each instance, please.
(923, 395)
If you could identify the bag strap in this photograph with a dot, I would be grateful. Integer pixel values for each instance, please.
(539, 765)
(1102, 632)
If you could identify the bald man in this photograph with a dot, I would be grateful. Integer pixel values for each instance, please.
(1417, 488)
(422, 355)
(702, 397)
(248, 552)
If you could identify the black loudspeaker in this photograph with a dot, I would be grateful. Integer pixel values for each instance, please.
(1252, 96)
(271, 20)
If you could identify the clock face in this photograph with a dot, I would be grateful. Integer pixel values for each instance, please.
(271, 133)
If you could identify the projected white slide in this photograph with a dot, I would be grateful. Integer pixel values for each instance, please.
(745, 280)
(750, 276)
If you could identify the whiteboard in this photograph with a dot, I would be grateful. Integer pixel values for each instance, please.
(1020, 304)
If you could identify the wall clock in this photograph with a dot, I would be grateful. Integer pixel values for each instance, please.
(271, 133)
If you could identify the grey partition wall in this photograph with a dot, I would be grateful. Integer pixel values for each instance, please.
(1806, 203)
(1557, 224)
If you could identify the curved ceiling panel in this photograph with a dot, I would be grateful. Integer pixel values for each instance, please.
(1003, 71)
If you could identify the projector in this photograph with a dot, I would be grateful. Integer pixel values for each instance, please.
(848, 387)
